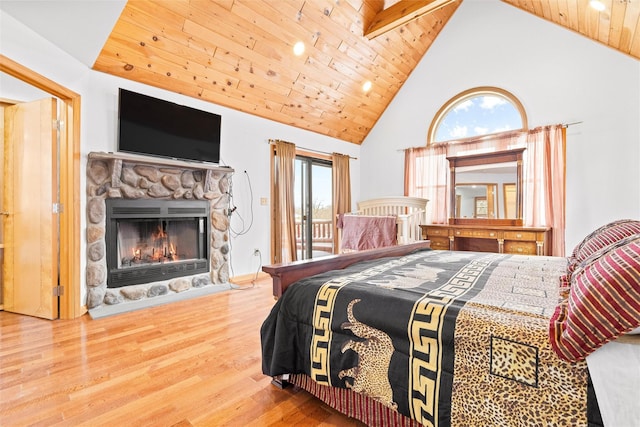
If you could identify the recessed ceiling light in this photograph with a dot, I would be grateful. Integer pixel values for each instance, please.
(597, 5)
(366, 87)
(298, 48)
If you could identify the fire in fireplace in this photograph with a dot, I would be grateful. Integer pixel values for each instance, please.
(152, 240)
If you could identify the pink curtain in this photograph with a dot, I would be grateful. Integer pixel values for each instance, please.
(427, 175)
(501, 142)
(427, 168)
(544, 182)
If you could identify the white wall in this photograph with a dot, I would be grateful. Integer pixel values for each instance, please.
(244, 137)
(559, 76)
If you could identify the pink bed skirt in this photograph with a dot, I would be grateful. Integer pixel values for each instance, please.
(354, 405)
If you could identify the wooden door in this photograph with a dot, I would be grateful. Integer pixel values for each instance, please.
(2, 211)
(30, 188)
(509, 200)
(491, 201)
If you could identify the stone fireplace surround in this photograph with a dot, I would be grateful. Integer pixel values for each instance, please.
(118, 175)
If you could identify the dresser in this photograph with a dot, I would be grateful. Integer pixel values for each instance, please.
(489, 238)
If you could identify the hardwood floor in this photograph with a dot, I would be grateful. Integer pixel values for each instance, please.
(190, 363)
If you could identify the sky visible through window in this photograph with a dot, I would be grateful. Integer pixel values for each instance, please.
(478, 115)
(322, 185)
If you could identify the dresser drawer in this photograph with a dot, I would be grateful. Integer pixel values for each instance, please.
(478, 234)
(529, 236)
(494, 238)
(439, 243)
(520, 248)
(434, 231)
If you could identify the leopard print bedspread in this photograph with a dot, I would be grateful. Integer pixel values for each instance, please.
(511, 377)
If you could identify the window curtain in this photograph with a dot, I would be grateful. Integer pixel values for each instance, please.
(502, 142)
(341, 191)
(284, 210)
(427, 170)
(545, 182)
(427, 175)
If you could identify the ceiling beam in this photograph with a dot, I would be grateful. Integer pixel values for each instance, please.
(400, 13)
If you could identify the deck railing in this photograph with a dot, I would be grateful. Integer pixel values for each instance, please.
(321, 234)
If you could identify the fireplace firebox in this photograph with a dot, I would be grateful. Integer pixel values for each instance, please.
(151, 240)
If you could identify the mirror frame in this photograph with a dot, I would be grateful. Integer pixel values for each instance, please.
(486, 159)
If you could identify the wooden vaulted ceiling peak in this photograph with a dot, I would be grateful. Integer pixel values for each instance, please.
(239, 53)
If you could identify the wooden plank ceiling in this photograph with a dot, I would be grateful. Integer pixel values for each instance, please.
(617, 26)
(239, 53)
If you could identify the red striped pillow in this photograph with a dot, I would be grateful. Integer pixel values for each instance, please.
(603, 303)
(602, 238)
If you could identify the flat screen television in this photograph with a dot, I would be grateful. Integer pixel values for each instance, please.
(156, 127)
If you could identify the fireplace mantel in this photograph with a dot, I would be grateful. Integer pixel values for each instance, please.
(160, 161)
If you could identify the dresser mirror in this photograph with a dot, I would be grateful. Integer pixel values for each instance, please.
(487, 188)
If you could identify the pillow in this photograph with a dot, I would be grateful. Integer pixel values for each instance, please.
(603, 303)
(602, 251)
(601, 238)
(597, 231)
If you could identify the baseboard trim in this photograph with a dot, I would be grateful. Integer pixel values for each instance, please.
(247, 279)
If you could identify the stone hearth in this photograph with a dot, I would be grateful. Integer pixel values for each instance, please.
(135, 177)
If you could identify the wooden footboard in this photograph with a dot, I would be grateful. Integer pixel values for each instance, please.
(287, 273)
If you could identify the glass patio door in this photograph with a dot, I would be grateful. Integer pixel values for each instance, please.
(313, 207)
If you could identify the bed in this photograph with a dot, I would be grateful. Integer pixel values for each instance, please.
(410, 336)
(382, 222)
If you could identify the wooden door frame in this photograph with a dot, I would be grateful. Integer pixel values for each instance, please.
(69, 165)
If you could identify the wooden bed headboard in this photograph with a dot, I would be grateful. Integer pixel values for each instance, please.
(410, 212)
(396, 205)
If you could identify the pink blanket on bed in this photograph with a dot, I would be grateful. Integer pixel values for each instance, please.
(361, 232)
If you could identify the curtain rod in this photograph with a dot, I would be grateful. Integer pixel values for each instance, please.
(564, 125)
(273, 141)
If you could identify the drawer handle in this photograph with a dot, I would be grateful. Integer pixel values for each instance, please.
(492, 234)
(458, 233)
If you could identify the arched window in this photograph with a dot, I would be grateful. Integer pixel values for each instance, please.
(476, 112)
